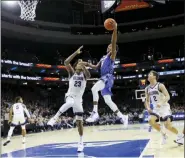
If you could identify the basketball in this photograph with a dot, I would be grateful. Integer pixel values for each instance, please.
(108, 24)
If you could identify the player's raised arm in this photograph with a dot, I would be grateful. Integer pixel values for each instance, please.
(69, 59)
(114, 41)
(163, 89)
(92, 66)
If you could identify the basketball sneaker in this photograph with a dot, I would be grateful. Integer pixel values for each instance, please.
(7, 142)
(93, 118)
(180, 139)
(80, 147)
(51, 122)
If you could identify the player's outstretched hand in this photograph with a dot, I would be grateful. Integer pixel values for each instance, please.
(114, 24)
(79, 50)
(83, 63)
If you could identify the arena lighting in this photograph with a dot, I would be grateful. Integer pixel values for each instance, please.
(10, 3)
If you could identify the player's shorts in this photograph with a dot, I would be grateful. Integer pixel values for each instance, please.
(19, 120)
(76, 103)
(109, 82)
(163, 113)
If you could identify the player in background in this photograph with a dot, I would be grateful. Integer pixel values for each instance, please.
(16, 117)
(77, 83)
(105, 84)
(157, 94)
(180, 140)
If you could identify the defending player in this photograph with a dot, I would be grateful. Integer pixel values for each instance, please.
(158, 95)
(106, 65)
(16, 117)
(77, 83)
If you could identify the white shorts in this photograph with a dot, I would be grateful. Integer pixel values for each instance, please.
(76, 103)
(19, 120)
(163, 111)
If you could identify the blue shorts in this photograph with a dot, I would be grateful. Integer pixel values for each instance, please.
(109, 82)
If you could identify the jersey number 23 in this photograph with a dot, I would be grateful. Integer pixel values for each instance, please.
(77, 84)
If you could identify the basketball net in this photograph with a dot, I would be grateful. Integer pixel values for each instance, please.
(28, 8)
(143, 99)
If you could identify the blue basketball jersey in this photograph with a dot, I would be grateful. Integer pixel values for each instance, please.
(107, 65)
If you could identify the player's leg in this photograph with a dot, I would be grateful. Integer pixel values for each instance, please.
(114, 108)
(153, 122)
(23, 127)
(79, 123)
(98, 86)
(69, 103)
(168, 125)
(78, 111)
(10, 132)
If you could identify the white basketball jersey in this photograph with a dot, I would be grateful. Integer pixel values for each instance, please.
(77, 85)
(18, 110)
(155, 95)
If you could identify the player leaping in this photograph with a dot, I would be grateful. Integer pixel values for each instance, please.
(77, 83)
(106, 65)
(157, 94)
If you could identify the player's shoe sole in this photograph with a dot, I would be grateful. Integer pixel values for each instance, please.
(6, 143)
(179, 143)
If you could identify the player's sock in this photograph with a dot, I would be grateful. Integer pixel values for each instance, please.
(119, 114)
(8, 138)
(23, 139)
(95, 108)
(162, 130)
(57, 115)
(10, 132)
(81, 139)
(180, 135)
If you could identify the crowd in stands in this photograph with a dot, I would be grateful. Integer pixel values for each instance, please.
(41, 111)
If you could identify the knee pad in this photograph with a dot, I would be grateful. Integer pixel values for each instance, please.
(79, 116)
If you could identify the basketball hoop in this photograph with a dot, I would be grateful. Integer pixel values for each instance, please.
(28, 8)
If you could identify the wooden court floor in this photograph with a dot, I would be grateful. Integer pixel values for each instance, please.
(100, 141)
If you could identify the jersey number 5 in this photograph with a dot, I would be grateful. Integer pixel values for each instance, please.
(155, 99)
(77, 84)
